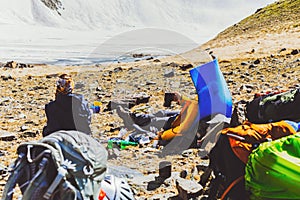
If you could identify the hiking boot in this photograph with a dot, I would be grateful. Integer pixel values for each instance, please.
(125, 115)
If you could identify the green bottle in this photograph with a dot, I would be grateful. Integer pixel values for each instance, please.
(109, 144)
(124, 144)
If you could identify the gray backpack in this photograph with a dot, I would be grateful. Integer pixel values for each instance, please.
(67, 165)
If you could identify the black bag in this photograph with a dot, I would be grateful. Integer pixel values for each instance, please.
(274, 107)
(227, 168)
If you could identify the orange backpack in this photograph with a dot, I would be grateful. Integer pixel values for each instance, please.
(244, 138)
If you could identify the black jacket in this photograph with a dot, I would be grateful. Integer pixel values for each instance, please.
(68, 112)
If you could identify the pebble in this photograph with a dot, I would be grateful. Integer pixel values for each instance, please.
(7, 136)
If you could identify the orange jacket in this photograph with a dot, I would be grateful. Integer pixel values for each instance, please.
(241, 138)
(184, 120)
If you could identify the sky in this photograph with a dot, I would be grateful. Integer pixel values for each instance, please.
(92, 30)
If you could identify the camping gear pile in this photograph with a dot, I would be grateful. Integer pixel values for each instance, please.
(258, 159)
(273, 116)
(269, 117)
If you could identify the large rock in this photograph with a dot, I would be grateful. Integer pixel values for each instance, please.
(188, 189)
(13, 65)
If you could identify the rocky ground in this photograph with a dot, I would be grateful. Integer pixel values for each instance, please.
(251, 62)
(23, 96)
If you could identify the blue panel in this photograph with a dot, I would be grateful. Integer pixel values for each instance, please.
(213, 94)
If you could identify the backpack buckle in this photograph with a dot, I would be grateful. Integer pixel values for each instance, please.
(87, 171)
(28, 153)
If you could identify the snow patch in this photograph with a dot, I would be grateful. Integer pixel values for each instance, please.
(54, 30)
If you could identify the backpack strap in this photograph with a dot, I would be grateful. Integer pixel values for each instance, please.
(235, 182)
(62, 172)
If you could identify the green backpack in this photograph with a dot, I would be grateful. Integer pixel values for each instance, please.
(63, 165)
(273, 169)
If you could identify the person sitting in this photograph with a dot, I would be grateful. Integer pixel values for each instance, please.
(68, 111)
(167, 124)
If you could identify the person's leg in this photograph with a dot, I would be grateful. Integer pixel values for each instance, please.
(125, 116)
(166, 113)
(163, 119)
(158, 122)
(132, 118)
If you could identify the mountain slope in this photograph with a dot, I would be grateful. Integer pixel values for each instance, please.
(92, 14)
(266, 31)
(278, 17)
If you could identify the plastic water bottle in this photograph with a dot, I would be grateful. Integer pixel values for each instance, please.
(109, 144)
(124, 144)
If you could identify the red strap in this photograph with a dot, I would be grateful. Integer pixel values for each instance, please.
(236, 181)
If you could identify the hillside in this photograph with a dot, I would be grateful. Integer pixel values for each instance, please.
(282, 16)
(267, 31)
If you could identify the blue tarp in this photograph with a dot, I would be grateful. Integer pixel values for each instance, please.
(213, 94)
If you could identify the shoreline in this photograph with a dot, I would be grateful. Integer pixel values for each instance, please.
(242, 48)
